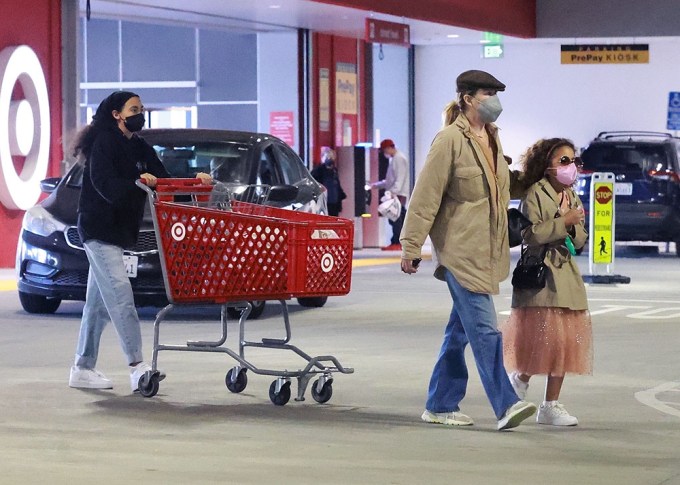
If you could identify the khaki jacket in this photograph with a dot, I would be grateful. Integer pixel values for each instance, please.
(564, 287)
(462, 205)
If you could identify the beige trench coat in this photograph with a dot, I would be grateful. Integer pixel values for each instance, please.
(564, 287)
(462, 205)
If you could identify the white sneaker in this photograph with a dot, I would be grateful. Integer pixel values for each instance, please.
(515, 414)
(138, 371)
(518, 385)
(82, 378)
(555, 415)
(454, 418)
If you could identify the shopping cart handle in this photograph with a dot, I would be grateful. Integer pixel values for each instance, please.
(168, 185)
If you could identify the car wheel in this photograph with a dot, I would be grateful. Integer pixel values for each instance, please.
(38, 303)
(256, 312)
(313, 301)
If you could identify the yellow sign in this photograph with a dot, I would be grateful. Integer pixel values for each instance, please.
(346, 88)
(602, 236)
(605, 54)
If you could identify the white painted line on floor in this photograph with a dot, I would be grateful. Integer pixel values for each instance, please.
(648, 398)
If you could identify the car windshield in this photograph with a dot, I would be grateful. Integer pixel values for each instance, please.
(226, 162)
(633, 159)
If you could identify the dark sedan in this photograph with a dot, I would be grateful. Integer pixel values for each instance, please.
(51, 264)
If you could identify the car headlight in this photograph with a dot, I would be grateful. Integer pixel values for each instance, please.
(38, 221)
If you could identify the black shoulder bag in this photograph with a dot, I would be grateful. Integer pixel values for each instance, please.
(517, 222)
(531, 270)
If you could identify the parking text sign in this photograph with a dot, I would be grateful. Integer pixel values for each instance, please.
(673, 111)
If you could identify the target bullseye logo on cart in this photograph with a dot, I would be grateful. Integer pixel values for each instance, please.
(327, 262)
(24, 127)
(178, 231)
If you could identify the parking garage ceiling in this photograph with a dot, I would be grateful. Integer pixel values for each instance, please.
(277, 15)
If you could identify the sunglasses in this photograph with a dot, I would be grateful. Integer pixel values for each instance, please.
(565, 160)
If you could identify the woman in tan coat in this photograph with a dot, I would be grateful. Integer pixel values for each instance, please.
(460, 200)
(549, 330)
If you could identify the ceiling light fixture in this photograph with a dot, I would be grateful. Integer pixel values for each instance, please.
(453, 36)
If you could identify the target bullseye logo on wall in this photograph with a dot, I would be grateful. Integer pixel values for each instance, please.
(24, 127)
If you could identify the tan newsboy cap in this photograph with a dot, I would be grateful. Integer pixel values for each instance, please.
(471, 80)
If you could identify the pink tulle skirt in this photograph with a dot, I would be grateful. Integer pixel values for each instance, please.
(549, 341)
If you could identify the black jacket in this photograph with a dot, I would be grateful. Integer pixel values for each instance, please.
(111, 206)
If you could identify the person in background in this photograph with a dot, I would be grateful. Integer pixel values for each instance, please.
(110, 212)
(549, 330)
(397, 183)
(326, 173)
(460, 200)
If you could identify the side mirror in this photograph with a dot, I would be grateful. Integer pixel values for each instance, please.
(49, 185)
(283, 193)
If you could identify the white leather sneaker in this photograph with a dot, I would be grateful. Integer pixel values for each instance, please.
(518, 385)
(453, 418)
(82, 378)
(515, 414)
(555, 415)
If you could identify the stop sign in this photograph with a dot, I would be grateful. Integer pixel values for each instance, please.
(603, 195)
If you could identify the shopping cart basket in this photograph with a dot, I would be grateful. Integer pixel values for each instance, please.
(218, 247)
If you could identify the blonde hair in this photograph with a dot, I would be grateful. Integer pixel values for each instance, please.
(455, 107)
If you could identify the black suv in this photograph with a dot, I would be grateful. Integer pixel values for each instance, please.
(646, 166)
(51, 264)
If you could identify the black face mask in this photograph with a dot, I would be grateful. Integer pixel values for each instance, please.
(135, 122)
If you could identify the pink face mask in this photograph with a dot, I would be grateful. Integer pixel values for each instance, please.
(566, 174)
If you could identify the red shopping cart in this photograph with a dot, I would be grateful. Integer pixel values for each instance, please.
(220, 245)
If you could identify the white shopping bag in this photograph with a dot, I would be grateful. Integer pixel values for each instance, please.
(390, 207)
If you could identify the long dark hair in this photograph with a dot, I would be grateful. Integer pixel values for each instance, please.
(102, 120)
(536, 159)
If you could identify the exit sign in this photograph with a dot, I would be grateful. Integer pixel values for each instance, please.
(492, 51)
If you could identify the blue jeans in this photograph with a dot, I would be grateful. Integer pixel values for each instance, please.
(109, 297)
(473, 321)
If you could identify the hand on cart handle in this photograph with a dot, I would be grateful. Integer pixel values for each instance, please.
(205, 178)
(148, 180)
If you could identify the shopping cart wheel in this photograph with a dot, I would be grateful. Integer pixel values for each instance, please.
(326, 391)
(282, 397)
(313, 301)
(239, 384)
(149, 389)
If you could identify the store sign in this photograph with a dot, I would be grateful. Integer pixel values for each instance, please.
(381, 32)
(605, 54)
(346, 88)
(24, 127)
(324, 99)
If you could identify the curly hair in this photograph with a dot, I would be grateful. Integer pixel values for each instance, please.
(536, 159)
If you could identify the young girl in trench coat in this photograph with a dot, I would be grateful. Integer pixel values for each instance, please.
(549, 330)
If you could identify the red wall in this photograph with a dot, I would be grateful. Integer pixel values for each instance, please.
(36, 23)
(509, 17)
(328, 50)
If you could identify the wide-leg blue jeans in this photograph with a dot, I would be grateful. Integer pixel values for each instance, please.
(473, 320)
(109, 297)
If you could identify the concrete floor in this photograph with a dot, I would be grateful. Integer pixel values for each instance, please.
(389, 329)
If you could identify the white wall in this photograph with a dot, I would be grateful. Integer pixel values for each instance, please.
(277, 77)
(390, 95)
(545, 98)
